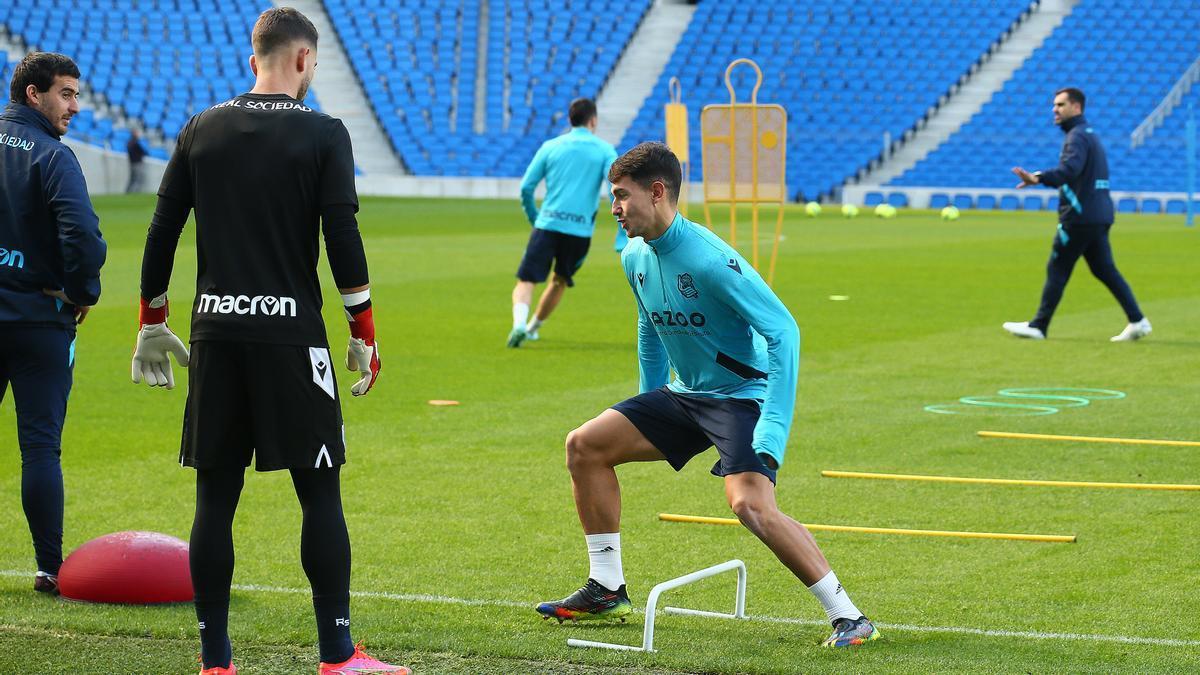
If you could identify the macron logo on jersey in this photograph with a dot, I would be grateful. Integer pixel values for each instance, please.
(12, 258)
(264, 305)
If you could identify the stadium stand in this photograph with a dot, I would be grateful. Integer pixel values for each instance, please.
(417, 61)
(1125, 57)
(846, 71)
(154, 61)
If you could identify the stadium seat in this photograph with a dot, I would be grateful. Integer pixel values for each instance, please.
(1009, 203)
(986, 202)
(1052, 203)
(873, 199)
(130, 53)
(963, 201)
(816, 59)
(897, 199)
(1032, 203)
(939, 200)
(1176, 206)
(1151, 205)
(1127, 205)
(1108, 61)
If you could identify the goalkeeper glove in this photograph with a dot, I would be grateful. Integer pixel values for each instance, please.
(154, 342)
(362, 354)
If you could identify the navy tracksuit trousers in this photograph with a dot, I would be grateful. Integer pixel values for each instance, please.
(1091, 242)
(38, 363)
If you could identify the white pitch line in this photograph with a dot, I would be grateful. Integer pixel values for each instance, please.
(955, 630)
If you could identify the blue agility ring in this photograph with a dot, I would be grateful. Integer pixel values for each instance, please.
(1049, 400)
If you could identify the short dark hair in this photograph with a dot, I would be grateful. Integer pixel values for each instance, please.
(39, 69)
(582, 111)
(1073, 95)
(279, 27)
(649, 162)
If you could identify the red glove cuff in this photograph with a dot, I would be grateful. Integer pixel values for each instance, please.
(148, 314)
(362, 326)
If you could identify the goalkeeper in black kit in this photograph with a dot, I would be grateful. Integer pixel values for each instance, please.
(265, 175)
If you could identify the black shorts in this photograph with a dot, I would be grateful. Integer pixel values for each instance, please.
(277, 403)
(566, 251)
(682, 427)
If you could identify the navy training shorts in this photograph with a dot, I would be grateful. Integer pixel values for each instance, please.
(565, 251)
(681, 427)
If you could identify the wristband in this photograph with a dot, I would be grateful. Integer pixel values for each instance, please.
(153, 311)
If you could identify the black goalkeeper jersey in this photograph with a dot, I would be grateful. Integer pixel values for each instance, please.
(258, 171)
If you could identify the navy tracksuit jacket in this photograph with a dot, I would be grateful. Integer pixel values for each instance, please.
(49, 239)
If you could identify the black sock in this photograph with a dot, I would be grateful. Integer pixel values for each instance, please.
(211, 557)
(333, 628)
(215, 650)
(325, 554)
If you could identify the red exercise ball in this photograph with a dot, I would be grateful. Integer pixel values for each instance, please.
(137, 568)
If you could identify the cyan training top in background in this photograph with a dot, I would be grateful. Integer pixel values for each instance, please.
(574, 166)
(707, 314)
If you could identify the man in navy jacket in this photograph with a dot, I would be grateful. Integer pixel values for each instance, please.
(51, 251)
(1085, 215)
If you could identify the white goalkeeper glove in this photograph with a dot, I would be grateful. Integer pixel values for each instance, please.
(362, 354)
(155, 342)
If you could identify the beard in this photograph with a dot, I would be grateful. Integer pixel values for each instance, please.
(304, 84)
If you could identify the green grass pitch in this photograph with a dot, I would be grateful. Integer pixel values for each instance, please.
(462, 519)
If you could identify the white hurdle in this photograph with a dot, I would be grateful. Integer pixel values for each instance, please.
(739, 608)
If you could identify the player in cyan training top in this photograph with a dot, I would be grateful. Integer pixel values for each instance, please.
(573, 166)
(266, 176)
(706, 313)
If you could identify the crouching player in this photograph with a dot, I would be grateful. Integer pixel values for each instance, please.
(735, 349)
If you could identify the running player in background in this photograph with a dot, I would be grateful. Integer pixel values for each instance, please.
(265, 175)
(573, 166)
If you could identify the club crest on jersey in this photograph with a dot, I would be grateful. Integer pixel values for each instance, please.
(687, 287)
(733, 265)
(264, 305)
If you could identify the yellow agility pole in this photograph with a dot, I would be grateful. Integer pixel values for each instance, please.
(1011, 481)
(744, 160)
(1089, 439)
(1054, 538)
(675, 113)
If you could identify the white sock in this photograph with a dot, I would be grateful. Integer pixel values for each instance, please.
(604, 552)
(834, 598)
(535, 324)
(520, 314)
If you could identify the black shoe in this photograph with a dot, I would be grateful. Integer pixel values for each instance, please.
(45, 583)
(593, 601)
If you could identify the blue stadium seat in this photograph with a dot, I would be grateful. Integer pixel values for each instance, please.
(873, 199)
(1009, 203)
(939, 200)
(1176, 206)
(1052, 203)
(963, 201)
(1127, 205)
(897, 199)
(129, 49)
(986, 202)
(816, 58)
(1032, 203)
(1151, 205)
(1106, 49)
